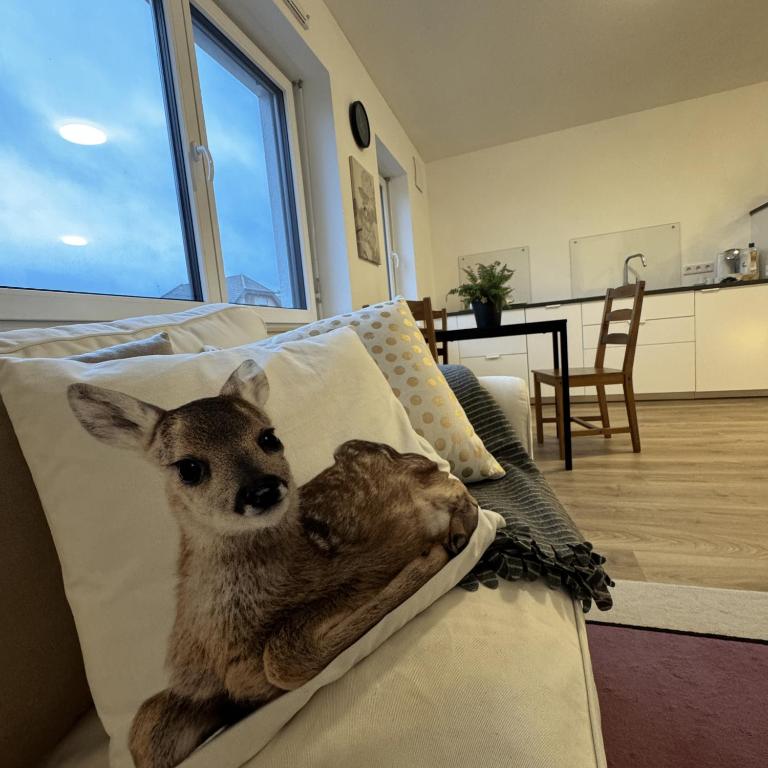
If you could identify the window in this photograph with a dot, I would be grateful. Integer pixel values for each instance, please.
(83, 122)
(146, 151)
(246, 129)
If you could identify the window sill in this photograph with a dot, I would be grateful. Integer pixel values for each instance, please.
(20, 307)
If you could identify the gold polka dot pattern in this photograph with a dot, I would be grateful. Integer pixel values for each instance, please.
(395, 343)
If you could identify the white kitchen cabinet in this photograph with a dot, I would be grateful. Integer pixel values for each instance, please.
(512, 316)
(654, 307)
(498, 365)
(710, 340)
(465, 321)
(663, 331)
(540, 345)
(732, 339)
(665, 358)
(499, 356)
(501, 345)
(508, 316)
(495, 346)
(659, 368)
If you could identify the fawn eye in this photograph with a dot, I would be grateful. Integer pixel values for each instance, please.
(191, 471)
(269, 441)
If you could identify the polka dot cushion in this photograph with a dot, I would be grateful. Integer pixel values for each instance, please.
(391, 336)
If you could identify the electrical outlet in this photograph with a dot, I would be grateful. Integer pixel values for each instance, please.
(701, 268)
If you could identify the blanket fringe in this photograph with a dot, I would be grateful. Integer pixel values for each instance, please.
(577, 568)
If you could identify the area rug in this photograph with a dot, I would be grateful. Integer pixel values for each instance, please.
(703, 610)
(679, 700)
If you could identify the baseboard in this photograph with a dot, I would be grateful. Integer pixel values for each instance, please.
(732, 393)
(665, 396)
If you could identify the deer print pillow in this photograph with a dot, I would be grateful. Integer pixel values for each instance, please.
(395, 343)
(229, 526)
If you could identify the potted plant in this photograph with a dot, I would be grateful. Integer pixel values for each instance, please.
(486, 291)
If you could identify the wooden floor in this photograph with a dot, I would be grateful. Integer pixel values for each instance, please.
(691, 508)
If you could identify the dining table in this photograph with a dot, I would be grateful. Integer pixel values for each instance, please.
(557, 329)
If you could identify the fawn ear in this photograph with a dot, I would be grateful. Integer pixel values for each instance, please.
(112, 417)
(248, 382)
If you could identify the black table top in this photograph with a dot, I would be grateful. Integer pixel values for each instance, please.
(510, 329)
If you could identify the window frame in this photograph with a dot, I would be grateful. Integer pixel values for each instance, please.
(387, 230)
(200, 225)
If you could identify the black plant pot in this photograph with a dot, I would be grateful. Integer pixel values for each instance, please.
(487, 314)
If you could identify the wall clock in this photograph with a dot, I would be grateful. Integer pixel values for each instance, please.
(361, 128)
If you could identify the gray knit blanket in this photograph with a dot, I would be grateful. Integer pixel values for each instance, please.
(540, 541)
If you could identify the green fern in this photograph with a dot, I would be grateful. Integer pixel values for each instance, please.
(486, 283)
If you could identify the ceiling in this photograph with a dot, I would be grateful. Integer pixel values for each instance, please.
(466, 74)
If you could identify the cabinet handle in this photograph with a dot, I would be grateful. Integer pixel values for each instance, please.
(495, 356)
(709, 290)
(552, 306)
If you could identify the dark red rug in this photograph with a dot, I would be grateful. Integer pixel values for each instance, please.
(676, 700)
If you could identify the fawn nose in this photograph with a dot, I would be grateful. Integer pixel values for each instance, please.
(259, 496)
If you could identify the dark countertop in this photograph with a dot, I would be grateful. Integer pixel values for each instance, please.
(655, 292)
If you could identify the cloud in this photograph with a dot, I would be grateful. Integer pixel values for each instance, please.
(98, 63)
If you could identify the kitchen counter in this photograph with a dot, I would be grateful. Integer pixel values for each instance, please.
(676, 289)
(697, 341)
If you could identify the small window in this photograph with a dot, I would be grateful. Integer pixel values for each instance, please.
(90, 200)
(245, 123)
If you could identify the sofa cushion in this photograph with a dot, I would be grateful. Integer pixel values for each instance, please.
(498, 678)
(158, 344)
(220, 325)
(117, 541)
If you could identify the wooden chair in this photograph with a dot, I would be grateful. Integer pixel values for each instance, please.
(599, 376)
(442, 347)
(425, 316)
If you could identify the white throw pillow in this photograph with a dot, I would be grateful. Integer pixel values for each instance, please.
(118, 542)
(396, 344)
(220, 325)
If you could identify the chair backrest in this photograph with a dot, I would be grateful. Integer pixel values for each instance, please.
(441, 315)
(630, 315)
(424, 315)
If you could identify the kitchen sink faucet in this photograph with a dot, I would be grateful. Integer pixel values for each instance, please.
(626, 265)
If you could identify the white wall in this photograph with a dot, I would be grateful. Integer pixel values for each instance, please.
(702, 162)
(333, 77)
(349, 82)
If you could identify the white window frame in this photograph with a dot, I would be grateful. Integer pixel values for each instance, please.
(388, 233)
(20, 304)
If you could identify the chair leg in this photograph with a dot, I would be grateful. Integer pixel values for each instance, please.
(629, 399)
(537, 407)
(559, 416)
(603, 409)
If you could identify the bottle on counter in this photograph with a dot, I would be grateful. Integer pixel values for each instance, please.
(751, 267)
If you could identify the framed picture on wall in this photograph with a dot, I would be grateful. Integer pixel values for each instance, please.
(364, 205)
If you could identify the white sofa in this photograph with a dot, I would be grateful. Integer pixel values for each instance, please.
(494, 678)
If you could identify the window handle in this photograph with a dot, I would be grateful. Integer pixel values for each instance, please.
(395, 260)
(201, 151)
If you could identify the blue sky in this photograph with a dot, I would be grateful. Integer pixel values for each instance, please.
(97, 63)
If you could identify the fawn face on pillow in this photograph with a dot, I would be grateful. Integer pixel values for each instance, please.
(224, 465)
